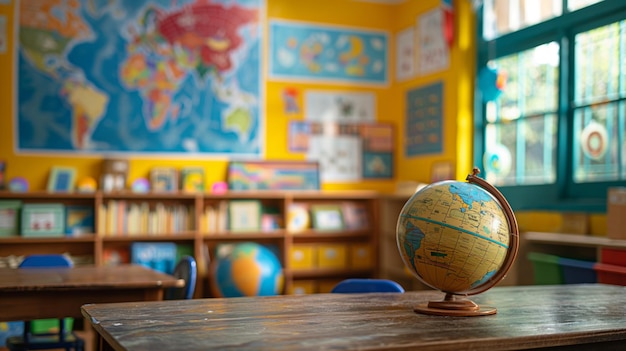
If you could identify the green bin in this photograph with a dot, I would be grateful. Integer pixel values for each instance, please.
(547, 270)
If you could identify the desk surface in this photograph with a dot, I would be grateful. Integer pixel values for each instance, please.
(528, 317)
(31, 293)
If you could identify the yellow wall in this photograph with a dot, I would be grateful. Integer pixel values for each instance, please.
(389, 100)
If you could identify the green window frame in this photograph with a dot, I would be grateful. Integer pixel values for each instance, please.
(562, 189)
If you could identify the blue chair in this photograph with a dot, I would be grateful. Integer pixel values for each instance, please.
(62, 339)
(360, 285)
(186, 269)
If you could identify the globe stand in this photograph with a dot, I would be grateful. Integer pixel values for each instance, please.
(453, 306)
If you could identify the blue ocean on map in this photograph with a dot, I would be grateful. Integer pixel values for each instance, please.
(140, 77)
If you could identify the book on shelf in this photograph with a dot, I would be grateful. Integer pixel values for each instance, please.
(208, 221)
(131, 218)
(160, 256)
(112, 256)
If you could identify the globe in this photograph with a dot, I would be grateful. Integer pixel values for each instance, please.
(247, 269)
(460, 238)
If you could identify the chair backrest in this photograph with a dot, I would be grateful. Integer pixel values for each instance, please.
(185, 269)
(46, 260)
(358, 285)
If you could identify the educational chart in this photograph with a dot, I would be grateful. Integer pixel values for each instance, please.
(341, 134)
(306, 51)
(424, 120)
(346, 152)
(141, 76)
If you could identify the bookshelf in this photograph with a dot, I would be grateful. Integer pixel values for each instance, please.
(200, 222)
(392, 266)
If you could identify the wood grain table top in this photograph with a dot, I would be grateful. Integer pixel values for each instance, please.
(84, 277)
(559, 316)
(34, 293)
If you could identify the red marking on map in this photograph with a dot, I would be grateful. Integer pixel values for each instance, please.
(210, 29)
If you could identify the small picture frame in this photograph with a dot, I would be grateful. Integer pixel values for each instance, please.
(192, 179)
(327, 217)
(244, 215)
(79, 220)
(355, 215)
(298, 218)
(62, 179)
(164, 179)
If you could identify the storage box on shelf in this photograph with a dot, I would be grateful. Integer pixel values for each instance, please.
(600, 257)
(17, 242)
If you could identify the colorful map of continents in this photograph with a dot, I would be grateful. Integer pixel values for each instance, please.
(139, 76)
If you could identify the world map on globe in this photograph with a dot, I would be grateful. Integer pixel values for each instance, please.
(247, 269)
(453, 236)
(139, 76)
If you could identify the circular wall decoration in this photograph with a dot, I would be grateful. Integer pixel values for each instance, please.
(594, 140)
(498, 160)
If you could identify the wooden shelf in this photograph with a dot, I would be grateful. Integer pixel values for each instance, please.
(30, 241)
(101, 245)
(279, 234)
(573, 240)
(46, 195)
(149, 237)
(330, 273)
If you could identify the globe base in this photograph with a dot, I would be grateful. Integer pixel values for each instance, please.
(450, 306)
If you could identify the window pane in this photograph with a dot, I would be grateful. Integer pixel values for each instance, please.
(521, 151)
(531, 86)
(540, 150)
(505, 16)
(573, 5)
(520, 139)
(499, 157)
(600, 63)
(596, 143)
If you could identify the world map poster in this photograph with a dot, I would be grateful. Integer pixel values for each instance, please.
(141, 76)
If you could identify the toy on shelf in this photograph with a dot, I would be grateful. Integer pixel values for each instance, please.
(114, 174)
(87, 185)
(18, 185)
(140, 185)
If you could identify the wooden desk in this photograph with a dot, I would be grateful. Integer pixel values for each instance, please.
(36, 293)
(528, 317)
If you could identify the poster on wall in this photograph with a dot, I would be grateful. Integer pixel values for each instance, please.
(346, 152)
(306, 51)
(405, 54)
(424, 120)
(433, 52)
(340, 106)
(141, 76)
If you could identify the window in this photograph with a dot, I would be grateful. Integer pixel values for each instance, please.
(552, 87)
